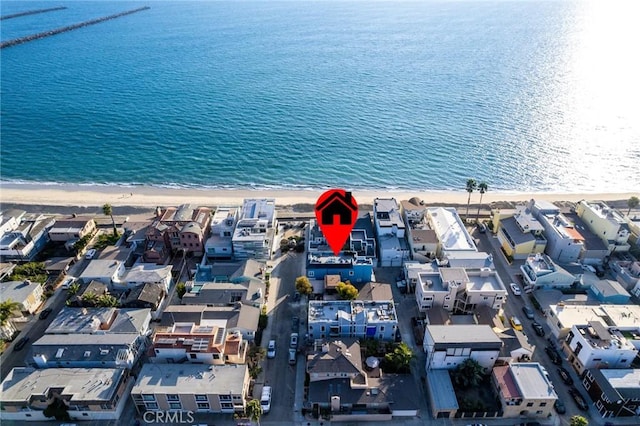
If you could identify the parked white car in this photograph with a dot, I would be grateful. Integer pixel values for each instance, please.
(271, 349)
(515, 289)
(265, 399)
(90, 253)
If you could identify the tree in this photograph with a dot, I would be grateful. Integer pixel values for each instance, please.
(468, 374)
(181, 289)
(57, 409)
(347, 291)
(107, 301)
(578, 421)
(303, 286)
(254, 410)
(482, 188)
(89, 299)
(632, 203)
(400, 359)
(74, 289)
(7, 308)
(108, 211)
(471, 186)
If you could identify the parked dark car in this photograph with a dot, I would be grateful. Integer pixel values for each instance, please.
(45, 313)
(559, 406)
(398, 336)
(580, 402)
(528, 312)
(295, 324)
(564, 375)
(296, 296)
(21, 343)
(537, 327)
(553, 355)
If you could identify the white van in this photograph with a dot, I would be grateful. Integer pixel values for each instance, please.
(265, 399)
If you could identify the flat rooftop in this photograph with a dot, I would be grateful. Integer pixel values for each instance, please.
(450, 229)
(531, 381)
(190, 379)
(463, 333)
(612, 315)
(352, 311)
(83, 384)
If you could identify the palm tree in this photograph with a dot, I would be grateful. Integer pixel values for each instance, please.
(482, 188)
(6, 310)
(578, 421)
(254, 411)
(107, 301)
(471, 186)
(632, 203)
(89, 298)
(468, 374)
(108, 211)
(74, 289)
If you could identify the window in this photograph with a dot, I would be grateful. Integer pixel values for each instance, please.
(322, 328)
(147, 397)
(151, 405)
(201, 398)
(623, 360)
(578, 348)
(587, 385)
(543, 404)
(203, 406)
(226, 405)
(193, 356)
(382, 328)
(350, 273)
(310, 274)
(529, 404)
(175, 406)
(570, 337)
(172, 397)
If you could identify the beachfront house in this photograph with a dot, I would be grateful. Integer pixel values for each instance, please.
(539, 271)
(255, 229)
(393, 249)
(71, 229)
(184, 228)
(521, 234)
(606, 223)
(219, 245)
(422, 239)
(22, 235)
(452, 235)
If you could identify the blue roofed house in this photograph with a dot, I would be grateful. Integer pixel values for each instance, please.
(23, 236)
(354, 265)
(609, 292)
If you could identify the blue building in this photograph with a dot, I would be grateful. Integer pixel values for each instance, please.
(352, 268)
(609, 292)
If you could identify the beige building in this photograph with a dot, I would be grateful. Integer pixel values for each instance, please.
(524, 390)
(191, 387)
(26, 293)
(606, 223)
(90, 393)
(521, 234)
(72, 229)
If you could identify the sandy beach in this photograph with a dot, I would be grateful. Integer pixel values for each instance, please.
(87, 196)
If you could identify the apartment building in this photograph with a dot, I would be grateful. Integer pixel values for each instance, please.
(594, 345)
(615, 392)
(446, 346)
(393, 249)
(455, 289)
(199, 388)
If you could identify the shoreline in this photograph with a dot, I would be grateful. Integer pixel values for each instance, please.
(149, 197)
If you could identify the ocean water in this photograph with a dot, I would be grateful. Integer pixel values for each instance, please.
(524, 95)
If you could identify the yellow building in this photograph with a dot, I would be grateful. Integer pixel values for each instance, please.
(520, 234)
(606, 223)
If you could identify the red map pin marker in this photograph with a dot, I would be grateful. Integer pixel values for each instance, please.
(336, 212)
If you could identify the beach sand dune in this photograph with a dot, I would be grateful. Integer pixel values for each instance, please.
(142, 198)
